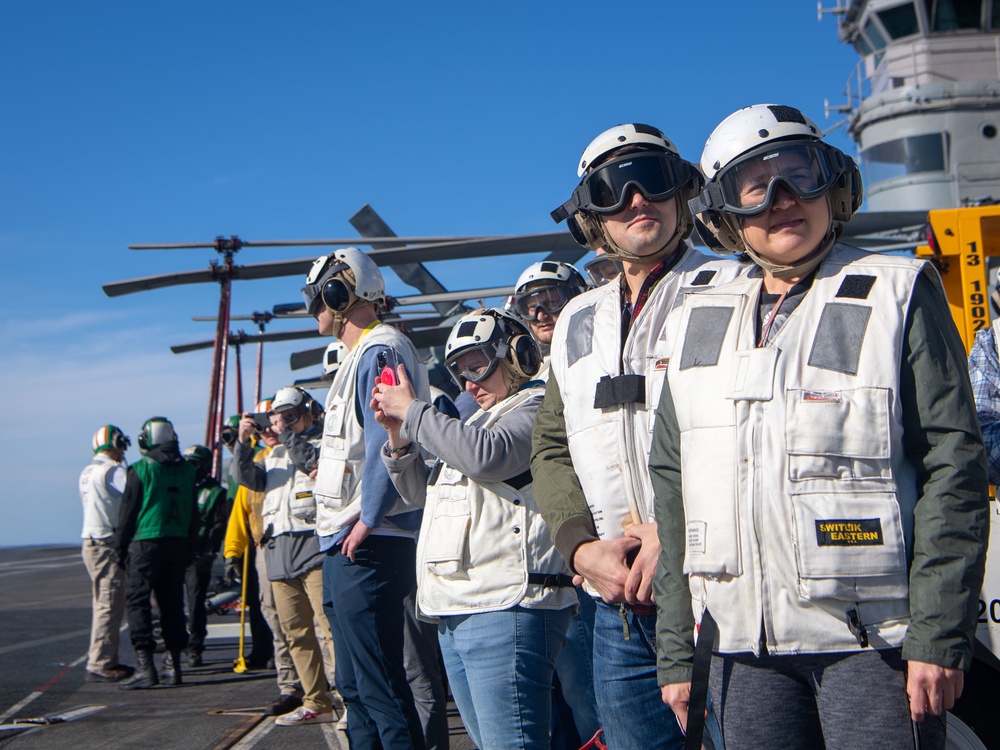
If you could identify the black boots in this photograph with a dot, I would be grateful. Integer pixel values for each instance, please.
(145, 673)
(170, 674)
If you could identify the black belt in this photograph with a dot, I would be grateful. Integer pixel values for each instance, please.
(557, 580)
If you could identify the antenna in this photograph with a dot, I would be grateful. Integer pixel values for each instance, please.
(838, 11)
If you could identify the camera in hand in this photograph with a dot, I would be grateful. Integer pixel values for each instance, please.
(261, 421)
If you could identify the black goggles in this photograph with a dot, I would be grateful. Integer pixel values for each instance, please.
(319, 275)
(550, 299)
(606, 190)
(474, 365)
(747, 187)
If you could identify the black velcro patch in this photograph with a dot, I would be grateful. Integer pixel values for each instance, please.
(856, 286)
(549, 267)
(786, 114)
(839, 337)
(844, 532)
(703, 278)
(647, 130)
(466, 329)
(622, 389)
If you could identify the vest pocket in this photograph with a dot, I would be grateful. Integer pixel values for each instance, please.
(303, 506)
(329, 486)
(711, 506)
(849, 547)
(449, 533)
(842, 434)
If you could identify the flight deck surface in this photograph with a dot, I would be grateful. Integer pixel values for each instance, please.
(45, 701)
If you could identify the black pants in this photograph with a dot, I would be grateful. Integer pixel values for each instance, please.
(156, 567)
(196, 580)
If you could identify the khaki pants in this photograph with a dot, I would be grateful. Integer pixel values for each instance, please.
(288, 680)
(108, 595)
(299, 602)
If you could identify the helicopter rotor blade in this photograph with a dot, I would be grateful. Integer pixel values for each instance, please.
(307, 358)
(370, 224)
(368, 241)
(514, 245)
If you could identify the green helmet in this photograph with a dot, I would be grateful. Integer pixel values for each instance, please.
(201, 457)
(156, 432)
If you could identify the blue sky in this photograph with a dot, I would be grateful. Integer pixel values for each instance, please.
(127, 122)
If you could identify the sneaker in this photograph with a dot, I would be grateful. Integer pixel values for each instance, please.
(335, 700)
(286, 703)
(113, 674)
(303, 715)
(342, 722)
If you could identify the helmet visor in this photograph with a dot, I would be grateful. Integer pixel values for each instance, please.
(658, 176)
(747, 187)
(473, 364)
(550, 299)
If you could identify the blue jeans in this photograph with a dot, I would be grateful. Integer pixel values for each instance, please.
(575, 669)
(500, 667)
(628, 698)
(364, 602)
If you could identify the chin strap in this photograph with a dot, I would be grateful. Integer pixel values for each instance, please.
(804, 266)
(510, 379)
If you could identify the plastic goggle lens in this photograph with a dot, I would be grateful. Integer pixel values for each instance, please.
(602, 269)
(289, 416)
(473, 366)
(657, 176)
(748, 186)
(551, 299)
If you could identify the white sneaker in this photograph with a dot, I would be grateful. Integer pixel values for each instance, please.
(342, 722)
(303, 715)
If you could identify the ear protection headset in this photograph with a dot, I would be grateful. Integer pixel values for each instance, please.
(523, 356)
(155, 432)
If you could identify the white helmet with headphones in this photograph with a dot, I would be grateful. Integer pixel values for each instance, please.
(621, 158)
(499, 339)
(546, 285)
(358, 279)
(755, 150)
(156, 432)
(550, 272)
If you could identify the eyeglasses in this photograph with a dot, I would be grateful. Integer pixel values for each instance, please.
(549, 299)
(747, 187)
(605, 190)
(474, 365)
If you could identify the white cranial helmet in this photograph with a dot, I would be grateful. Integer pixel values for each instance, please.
(334, 356)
